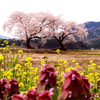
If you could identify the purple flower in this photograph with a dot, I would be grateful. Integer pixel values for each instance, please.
(45, 95)
(75, 86)
(47, 78)
(31, 95)
(18, 96)
(98, 84)
(11, 88)
(2, 87)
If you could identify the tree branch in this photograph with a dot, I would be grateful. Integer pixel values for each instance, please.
(29, 20)
(56, 38)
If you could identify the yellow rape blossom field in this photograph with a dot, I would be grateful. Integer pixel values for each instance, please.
(25, 65)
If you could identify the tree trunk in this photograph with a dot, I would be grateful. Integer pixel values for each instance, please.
(28, 43)
(62, 46)
(60, 43)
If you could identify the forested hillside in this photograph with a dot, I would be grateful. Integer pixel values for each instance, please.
(93, 29)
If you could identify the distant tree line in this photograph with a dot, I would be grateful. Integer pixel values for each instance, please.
(19, 43)
(95, 44)
(50, 44)
(53, 44)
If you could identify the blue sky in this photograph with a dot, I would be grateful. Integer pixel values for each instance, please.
(71, 10)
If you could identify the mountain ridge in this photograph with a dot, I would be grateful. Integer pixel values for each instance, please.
(93, 29)
(5, 37)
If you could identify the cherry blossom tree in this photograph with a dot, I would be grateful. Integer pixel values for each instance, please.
(66, 31)
(30, 25)
(61, 30)
(43, 25)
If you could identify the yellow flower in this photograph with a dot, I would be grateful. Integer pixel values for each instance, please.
(31, 68)
(62, 79)
(42, 62)
(17, 74)
(28, 64)
(99, 66)
(58, 87)
(21, 84)
(65, 63)
(28, 78)
(93, 64)
(31, 73)
(68, 69)
(92, 67)
(73, 61)
(14, 58)
(90, 74)
(7, 46)
(96, 74)
(99, 79)
(58, 51)
(91, 61)
(60, 61)
(20, 51)
(7, 73)
(31, 87)
(25, 92)
(1, 57)
(2, 70)
(82, 73)
(58, 82)
(36, 69)
(59, 64)
(18, 66)
(2, 63)
(28, 59)
(77, 65)
(8, 77)
(2, 44)
(10, 70)
(24, 73)
(87, 76)
(5, 41)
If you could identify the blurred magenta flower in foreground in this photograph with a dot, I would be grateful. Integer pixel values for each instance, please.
(45, 95)
(75, 87)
